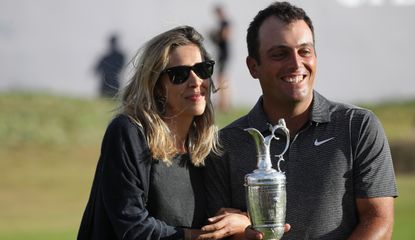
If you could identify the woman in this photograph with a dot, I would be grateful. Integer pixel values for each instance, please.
(148, 182)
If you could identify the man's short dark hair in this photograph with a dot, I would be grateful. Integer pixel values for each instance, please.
(285, 12)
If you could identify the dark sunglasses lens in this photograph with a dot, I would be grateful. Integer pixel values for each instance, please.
(179, 75)
(204, 69)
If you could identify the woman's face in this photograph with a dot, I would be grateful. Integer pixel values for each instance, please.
(186, 99)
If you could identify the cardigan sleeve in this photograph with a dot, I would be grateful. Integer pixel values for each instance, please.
(126, 162)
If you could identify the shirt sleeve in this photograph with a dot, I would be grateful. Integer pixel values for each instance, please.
(125, 170)
(217, 182)
(373, 172)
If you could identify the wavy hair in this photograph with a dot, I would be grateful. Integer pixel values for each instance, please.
(139, 99)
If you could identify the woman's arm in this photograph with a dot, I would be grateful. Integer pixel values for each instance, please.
(126, 162)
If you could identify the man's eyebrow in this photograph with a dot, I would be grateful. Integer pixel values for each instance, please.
(307, 44)
(277, 47)
(282, 46)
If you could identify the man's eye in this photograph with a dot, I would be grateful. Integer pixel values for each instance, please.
(305, 52)
(278, 55)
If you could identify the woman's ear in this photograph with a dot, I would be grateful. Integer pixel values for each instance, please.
(159, 90)
(252, 64)
(160, 97)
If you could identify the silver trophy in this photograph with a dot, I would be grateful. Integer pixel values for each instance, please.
(265, 186)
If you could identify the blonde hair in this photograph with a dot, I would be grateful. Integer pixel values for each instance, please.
(138, 99)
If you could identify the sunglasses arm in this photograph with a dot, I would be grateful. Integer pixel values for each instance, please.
(212, 85)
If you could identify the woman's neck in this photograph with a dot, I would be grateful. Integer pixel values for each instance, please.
(180, 130)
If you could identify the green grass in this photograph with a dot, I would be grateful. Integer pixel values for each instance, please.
(45, 234)
(398, 119)
(405, 208)
(51, 120)
(49, 146)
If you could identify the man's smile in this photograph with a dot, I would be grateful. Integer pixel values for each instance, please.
(294, 79)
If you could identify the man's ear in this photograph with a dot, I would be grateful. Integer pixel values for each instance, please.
(252, 64)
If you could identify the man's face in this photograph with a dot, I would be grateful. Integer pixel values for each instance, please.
(287, 65)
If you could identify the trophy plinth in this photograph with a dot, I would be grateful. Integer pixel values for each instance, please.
(265, 188)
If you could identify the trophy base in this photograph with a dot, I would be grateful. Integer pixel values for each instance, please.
(271, 232)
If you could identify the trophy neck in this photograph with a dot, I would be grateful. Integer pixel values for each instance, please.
(262, 146)
(264, 158)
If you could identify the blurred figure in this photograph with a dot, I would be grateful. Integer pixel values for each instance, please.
(109, 68)
(220, 37)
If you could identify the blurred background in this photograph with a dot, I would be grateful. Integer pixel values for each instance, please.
(365, 47)
(54, 108)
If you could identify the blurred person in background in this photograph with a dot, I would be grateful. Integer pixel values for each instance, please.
(148, 182)
(340, 178)
(220, 37)
(109, 69)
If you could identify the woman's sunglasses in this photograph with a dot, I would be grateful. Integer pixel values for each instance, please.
(180, 74)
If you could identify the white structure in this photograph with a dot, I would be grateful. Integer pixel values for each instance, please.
(364, 47)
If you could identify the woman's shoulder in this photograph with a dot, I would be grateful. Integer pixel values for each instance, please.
(124, 121)
(122, 124)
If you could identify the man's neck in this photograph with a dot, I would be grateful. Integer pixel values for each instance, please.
(296, 115)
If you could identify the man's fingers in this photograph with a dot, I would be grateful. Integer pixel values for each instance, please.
(253, 234)
(287, 227)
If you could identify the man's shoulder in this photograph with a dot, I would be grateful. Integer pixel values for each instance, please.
(236, 125)
(342, 109)
(235, 130)
(325, 110)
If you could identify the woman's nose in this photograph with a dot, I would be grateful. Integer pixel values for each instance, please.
(194, 80)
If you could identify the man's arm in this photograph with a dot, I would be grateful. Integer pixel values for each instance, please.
(374, 178)
(375, 218)
(217, 185)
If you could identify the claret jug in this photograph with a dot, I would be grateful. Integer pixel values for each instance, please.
(265, 186)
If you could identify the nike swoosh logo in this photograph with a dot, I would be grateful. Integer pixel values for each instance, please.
(318, 143)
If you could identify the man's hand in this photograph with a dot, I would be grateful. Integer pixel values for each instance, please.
(252, 234)
(227, 222)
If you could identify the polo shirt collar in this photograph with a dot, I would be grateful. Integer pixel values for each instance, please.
(257, 117)
(320, 112)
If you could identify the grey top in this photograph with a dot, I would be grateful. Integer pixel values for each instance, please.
(341, 154)
(176, 193)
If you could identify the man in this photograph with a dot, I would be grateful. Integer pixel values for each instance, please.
(109, 68)
(340, 178)
(220, 37)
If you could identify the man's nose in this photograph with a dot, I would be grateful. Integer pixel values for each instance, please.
(296, 60)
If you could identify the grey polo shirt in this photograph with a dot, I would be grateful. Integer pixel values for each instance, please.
(341, 154)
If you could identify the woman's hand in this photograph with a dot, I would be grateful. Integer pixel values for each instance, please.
(227, 222)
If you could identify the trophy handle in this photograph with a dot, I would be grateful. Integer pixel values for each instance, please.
(281, 125)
